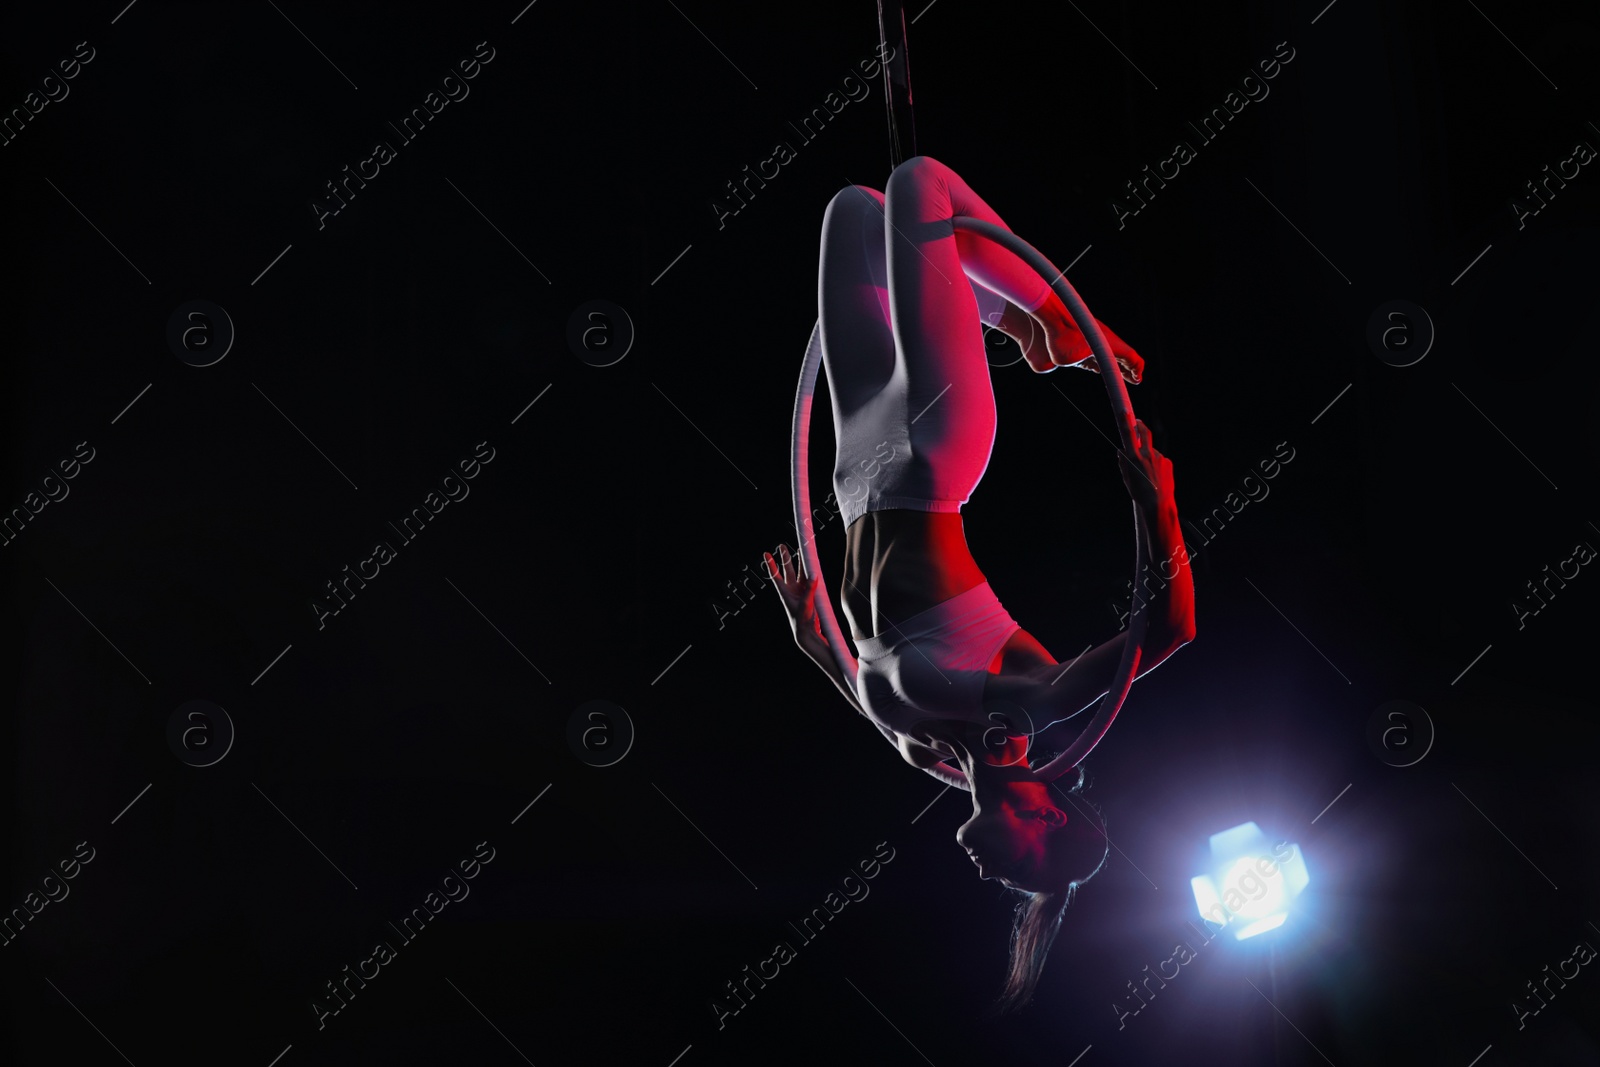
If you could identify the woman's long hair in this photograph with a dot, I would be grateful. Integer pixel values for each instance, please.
(1038, 918)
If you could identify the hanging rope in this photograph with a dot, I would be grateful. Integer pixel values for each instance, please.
(897, 81)
(902, 143)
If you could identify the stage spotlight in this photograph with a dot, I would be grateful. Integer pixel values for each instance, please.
(1252, 883)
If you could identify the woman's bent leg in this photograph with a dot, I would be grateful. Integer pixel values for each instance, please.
(938, 340)
(852, 299)
(868, 396)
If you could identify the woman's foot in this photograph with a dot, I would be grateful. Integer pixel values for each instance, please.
(1066, 346)
(1023, 328)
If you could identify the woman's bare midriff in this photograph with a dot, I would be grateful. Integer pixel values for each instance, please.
(899, 563)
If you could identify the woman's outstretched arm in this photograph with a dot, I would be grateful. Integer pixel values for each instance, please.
(1148, 477)
(798, 594)
(1053, 693)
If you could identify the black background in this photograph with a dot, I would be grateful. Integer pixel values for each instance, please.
(601, 538)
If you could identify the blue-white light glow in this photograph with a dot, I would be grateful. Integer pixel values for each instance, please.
(1252, 884)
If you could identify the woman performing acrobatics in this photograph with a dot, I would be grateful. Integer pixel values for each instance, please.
(943, 670)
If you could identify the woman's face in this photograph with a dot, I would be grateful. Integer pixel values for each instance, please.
(1008, 842)
(1014, 825)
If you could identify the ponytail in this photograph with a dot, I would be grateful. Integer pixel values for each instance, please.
(1038, 918)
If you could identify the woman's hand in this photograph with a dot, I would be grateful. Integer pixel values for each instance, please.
(1146, 473)
(798, 594)
(1148, 476)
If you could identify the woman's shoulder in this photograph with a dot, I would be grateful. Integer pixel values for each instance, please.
(1024, 675)
(1019, 662)
(1051, 691)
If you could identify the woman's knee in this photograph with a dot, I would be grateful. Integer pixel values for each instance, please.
(853, 201)
(919, 171)
(921, 190)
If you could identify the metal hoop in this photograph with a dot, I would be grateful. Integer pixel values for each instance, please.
(1122, 408)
